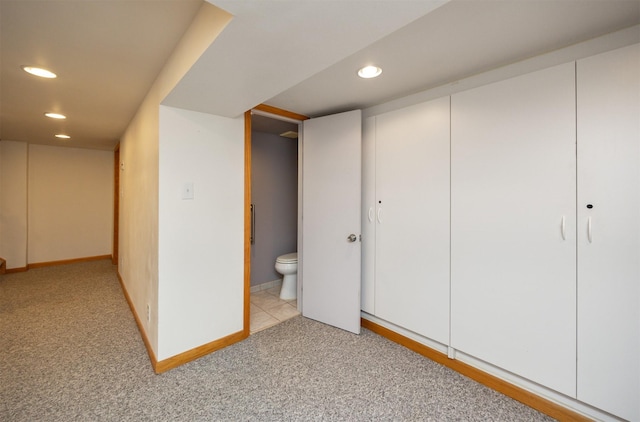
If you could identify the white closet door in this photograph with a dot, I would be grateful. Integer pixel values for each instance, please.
(412, 233)
(368, 215)
(609, 231)
(513, 247)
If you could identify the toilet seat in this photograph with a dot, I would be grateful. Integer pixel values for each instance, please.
(290, 258)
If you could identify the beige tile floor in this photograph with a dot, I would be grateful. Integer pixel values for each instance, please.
(267, 309)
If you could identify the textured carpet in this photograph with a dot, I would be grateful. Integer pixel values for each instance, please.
(70, 351)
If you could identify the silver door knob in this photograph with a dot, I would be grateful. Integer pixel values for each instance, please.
(352, 238)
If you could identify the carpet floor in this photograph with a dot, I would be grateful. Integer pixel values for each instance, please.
(71, 351)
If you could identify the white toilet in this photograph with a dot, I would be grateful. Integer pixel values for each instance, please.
(287, 265)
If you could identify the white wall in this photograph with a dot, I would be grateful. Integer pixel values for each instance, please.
(138, 215)
(70, 203)
(55, 203)
(201, 247)
(13, 203)
(139, 184)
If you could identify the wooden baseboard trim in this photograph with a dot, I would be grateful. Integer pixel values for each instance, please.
(185, 357)
(67, 261)
(141, 329)
(16, 270)
(532, 400)
(53, 263)
(198, 352)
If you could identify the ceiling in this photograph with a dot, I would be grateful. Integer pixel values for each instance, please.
(455, 41)
(297, 55)
(261, 123)
(106, 55)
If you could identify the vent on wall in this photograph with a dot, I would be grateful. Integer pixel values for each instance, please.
(289, 134)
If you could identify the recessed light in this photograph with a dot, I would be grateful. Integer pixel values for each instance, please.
(55, 115)
(61, 136)
(368, 72)
(38, 71)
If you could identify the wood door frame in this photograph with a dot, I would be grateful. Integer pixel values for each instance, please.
(275, 112)
(116, 204)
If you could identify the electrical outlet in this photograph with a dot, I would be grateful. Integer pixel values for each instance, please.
(148, 313)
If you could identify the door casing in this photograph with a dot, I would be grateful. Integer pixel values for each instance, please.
(276, 113)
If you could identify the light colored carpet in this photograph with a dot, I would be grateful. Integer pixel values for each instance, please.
(70, 351)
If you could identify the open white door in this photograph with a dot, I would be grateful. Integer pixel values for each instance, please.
(331, 183)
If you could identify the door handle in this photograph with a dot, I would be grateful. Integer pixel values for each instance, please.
(352, 238)
(589, 238)
(253, 224)
(370, 214)
(379, 215)
(562, 229)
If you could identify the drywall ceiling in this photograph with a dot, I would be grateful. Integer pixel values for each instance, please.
(457, 40)
(293, 54)
(260, 123)
(106, 54)
(272, 45)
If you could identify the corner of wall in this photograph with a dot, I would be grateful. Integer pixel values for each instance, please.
(139, 178)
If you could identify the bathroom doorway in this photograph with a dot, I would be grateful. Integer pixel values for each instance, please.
(274, 215)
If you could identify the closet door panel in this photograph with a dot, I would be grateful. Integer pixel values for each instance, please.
(609, 231)
(412, 234)
(368, 215)
(513, 251)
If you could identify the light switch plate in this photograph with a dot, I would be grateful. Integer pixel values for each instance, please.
(187, 191)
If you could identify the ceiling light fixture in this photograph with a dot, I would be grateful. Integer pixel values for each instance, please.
(368, 72)
(38, 71)
(55, 115)
(61, 136)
